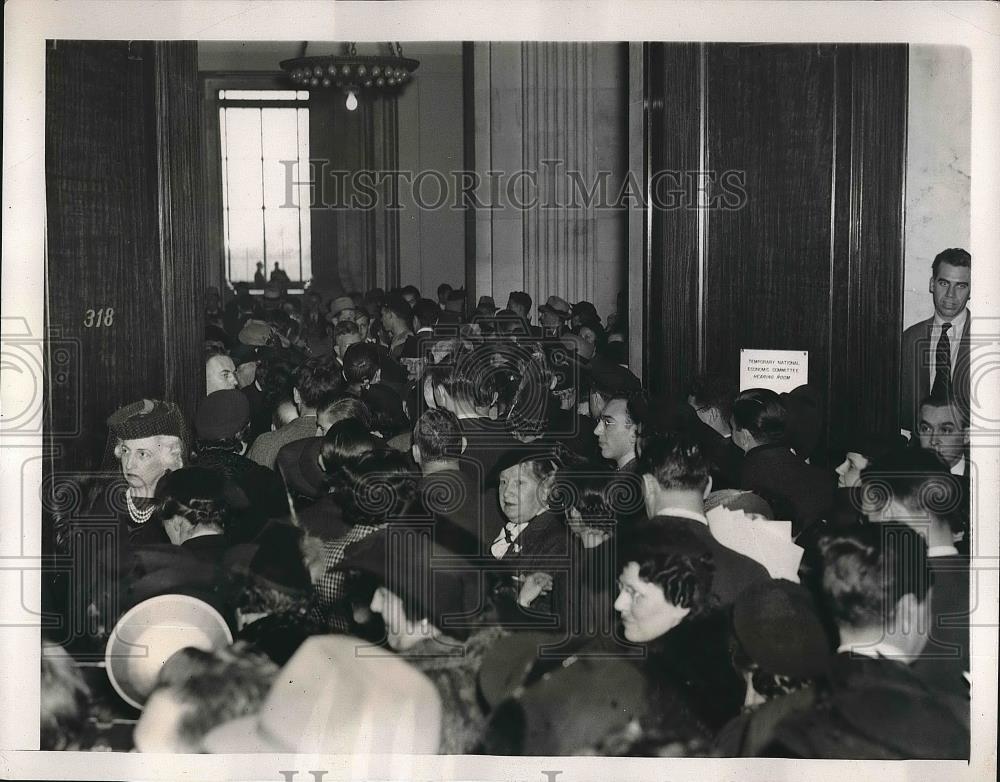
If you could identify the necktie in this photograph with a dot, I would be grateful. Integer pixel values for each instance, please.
(942, 364)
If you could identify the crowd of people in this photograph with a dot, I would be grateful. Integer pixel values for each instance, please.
(435, 528)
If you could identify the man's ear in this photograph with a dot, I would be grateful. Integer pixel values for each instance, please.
(930, 285)
(415, 450)
(296, 397)
(708, 488)
(649, 485)
(465, 444)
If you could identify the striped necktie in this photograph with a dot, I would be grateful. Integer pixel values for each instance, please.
(942, 364)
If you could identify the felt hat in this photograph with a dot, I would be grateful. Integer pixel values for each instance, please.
(611, 377)
(586, 312)
(777, 624)
(148, 418)
(298, 463)
(557, 306)
(340, 304)
(339, 695)
(433, 582)
(222, 414)
(255, 333)
(566, 705)
(150, 632)
(274, 559)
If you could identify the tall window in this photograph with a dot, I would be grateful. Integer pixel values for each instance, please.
(263, 132)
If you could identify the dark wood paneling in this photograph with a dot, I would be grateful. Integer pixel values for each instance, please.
(672, 310)
(103, 243)
(769, 114)
(813, 258)
(868, 259)
(184, 253)
(125, 231)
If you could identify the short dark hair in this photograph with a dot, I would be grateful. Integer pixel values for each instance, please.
(345, 327)
(713, 391)
(676, 560)
(410, 290)
(953, 256)
(675, 460)
(521, 299)
(636, 405)
(868, 568)
(361, 363)
(344, 444)
(196, 494)
(761, 412)
(444, 289)
(427, 312)
(596, 492)
(314, 379)
(401, 310)
(916, 478)
(341, 406)
(437, 435)
(382, 488)
(940, 401)
(469, 379)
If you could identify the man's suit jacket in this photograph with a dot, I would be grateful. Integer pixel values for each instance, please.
(265, 448)
(946, 654)
(798, 492)
(915, 377)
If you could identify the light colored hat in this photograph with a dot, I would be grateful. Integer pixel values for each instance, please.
(557, 306)
(340, 304)
(255, 333)
(150, 632)
(340, 695)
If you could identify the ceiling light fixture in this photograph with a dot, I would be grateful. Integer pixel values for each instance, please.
(355, 74)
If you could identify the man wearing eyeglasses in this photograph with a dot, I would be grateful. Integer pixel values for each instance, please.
(617, 432)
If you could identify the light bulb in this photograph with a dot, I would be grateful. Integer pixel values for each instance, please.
(352, 101)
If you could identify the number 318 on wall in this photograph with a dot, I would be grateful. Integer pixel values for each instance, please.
(103, 317)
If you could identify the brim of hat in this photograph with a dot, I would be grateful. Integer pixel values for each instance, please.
(560, 313)
(507, 664)
(241, 735)
(193, 621)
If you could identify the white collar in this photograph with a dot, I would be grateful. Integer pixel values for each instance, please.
(682, 513)
(959, 467)
(957, 323)
(875, 650)
(942, 551)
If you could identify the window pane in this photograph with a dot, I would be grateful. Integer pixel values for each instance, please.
(305, 194)
(255, 142)
(263, 95)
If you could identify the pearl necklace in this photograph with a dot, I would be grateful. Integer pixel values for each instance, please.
(138, 516)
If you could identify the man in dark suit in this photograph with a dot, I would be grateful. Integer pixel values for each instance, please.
(935, 352)
(711, 398)
(924, 495)
(675, 481)
(799, 492)
(875, 706)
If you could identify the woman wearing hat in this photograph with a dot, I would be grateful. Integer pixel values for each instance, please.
(429, 613)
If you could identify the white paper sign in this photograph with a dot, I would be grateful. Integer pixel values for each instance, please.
(778, 370)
